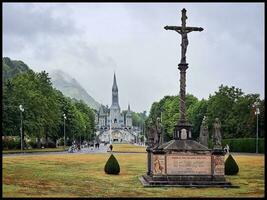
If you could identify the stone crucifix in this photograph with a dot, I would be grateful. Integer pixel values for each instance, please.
(183, 30)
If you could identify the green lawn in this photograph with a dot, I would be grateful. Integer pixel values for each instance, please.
(128, 148)
(83, 176)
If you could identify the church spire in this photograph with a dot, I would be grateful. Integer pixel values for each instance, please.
(114, 87)
(128, 114)
(115, 95)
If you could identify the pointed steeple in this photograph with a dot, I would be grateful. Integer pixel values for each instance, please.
(101, 110)
(114, 87)
(115, 93)
(128, 114)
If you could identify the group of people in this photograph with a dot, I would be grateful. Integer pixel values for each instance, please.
(77, 147)
(74, 148)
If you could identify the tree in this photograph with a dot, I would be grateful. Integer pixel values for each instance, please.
(235, 111)
(196, 113)
(86, 119)
(43, 105)
(10, 110)
(168, 109)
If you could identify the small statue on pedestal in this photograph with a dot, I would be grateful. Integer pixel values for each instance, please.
(204, 132)
(151, 135)
(159, 128)
(217, 137)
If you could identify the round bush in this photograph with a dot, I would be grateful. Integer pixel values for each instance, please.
(231, 167)
(50, 144)
(112, 166)
(32, 143)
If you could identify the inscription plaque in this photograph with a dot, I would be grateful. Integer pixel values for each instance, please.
(158, 164)
(188, 165)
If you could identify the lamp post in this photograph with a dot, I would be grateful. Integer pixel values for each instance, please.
(21, 137)
(64, 116)
(257, 112)
(144, 132)
(84, 138)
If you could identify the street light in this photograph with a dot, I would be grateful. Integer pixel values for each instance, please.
(257, 112)
(21, 138)
(64, 116)
(85, 136)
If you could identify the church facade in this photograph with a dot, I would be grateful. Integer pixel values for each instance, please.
(112, 117)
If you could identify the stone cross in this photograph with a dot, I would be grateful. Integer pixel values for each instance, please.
(183, 30)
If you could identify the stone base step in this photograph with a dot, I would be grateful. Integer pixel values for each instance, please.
(151, 183)
(184, 178)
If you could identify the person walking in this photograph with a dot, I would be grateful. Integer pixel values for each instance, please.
(110, 147)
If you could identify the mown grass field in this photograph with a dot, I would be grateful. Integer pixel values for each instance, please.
(82, 175)
(128, 148)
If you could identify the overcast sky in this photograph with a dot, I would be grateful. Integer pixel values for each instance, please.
(91, 41)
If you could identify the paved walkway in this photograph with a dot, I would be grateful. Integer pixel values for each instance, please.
(102, 149)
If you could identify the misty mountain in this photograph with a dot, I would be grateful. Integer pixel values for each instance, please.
(12, 67)
(71, 88)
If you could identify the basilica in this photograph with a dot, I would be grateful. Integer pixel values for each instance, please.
(112, 124)
(113, 117)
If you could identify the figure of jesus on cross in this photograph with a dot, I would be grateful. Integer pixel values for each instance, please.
(183, 30)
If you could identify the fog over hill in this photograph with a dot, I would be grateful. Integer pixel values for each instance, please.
(71, 88)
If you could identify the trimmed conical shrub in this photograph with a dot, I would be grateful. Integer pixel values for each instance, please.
(112, 166)
(231, 167)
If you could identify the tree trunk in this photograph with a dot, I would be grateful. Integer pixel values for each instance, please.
(38, 142)
(46, 138)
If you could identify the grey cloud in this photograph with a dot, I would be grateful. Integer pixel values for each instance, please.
(87, 54)
(48, 34)
(92, 40)
(23, 20)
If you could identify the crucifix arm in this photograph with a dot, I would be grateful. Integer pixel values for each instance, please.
(190, 29)
(174, 28)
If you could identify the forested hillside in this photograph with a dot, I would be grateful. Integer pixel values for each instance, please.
(12, 67)
(43, 106)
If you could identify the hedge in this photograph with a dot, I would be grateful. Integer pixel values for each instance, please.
(246, 145)
(231, 167)
(14, 142)
(112, 166)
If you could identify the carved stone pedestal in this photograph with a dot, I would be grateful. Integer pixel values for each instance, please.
(185, 163)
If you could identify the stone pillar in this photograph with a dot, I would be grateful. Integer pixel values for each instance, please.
(149, 172)
(182, 67)
(182, 122)
(217, 165)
